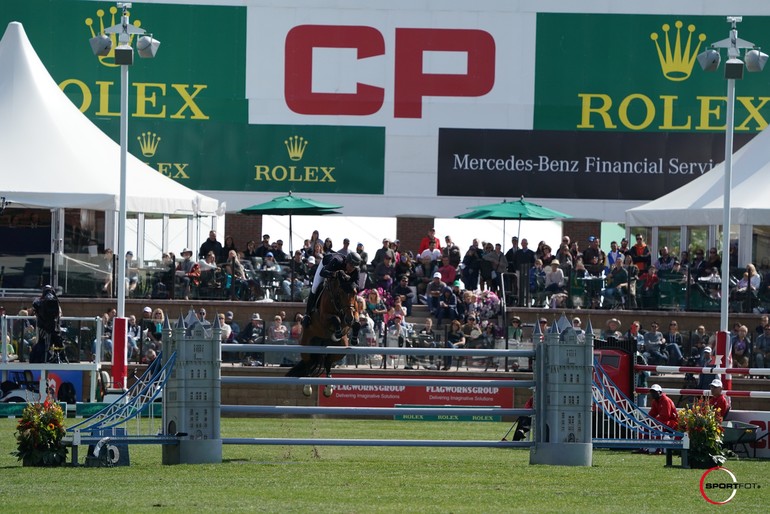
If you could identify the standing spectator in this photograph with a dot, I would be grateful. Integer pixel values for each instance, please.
(345, 247)
(523, 261)
(614, 255)
(499, 266)
(425, 242)
(229, 245)
(364, 256)
(640, 254)
(554, 278)
(379, 256)
(665, 260)
(594, 257)
(105, 267)
(211, 245)
(132, 273)
(376, 310)
(470, 268)
(133, 338)
(714, 260)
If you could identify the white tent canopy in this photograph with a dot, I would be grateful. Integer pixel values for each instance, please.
(701, 201)
(53, 156)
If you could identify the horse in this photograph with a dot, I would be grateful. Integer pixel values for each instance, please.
(330, 325)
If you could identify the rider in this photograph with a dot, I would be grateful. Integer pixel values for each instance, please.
(345, 267)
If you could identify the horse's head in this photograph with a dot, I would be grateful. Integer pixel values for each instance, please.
(343, 298)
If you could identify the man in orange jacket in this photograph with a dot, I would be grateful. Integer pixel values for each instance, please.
(663, 408)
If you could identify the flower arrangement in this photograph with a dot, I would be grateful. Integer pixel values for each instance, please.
(39, 435)
(487, 304)
(702, 423)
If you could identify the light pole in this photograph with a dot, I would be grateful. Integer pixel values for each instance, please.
(101, 44)
(147, 46)
(754, 61)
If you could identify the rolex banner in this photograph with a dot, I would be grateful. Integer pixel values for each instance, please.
(188, 108)
(622, 111)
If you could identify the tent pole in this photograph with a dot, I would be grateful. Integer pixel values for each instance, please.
(726, 221)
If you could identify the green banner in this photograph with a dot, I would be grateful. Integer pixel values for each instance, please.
(615, 72)
(188, 115)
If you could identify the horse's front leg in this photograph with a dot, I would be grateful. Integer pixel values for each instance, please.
(329, 388)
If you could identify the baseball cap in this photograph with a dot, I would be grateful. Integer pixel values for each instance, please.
(255, 316)
(657, 388)
(229, 314)
(437, 275)
(269, 254)
(311, 260)
(707, 349)
(716, 383)
(147, 309)
(591, 238)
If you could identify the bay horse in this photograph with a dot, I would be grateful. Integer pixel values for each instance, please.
(331, 324)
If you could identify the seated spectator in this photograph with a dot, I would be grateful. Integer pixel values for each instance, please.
(650, 282)
(226, 329)
(433, 292)
(277, 330)
(653, 346)
(674, 345)
(554, 278)
(423, 273)
(432, 251)
(742, 347)
(537, 283)
(471, 330)
(448, 272)
(188, 273)
(155, 330)
(455, 339)
(761, 348)
(617, 281)
(665, 262)
(384, 273)
(295, 334)
(612, 331)
(447, 306)
(405, 293)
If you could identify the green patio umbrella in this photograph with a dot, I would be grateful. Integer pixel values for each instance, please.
(289, 205)
(516, 210)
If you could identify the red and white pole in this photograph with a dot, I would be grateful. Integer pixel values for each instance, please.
(119, 354)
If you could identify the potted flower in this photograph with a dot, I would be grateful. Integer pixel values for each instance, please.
(39, 435)
(702, 423)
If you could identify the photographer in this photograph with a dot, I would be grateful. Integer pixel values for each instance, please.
(48, 314)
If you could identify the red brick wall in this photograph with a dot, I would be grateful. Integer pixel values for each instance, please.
(410, 232)
(580, 231)
(242, 228)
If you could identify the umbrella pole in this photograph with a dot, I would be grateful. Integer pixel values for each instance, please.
(291, 262)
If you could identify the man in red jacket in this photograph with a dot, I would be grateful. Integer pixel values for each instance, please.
(663, 408)
(718, 400)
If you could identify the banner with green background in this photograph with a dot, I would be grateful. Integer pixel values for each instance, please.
(188, 111)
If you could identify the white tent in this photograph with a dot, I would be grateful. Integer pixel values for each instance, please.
(53, 156)
(701, 201)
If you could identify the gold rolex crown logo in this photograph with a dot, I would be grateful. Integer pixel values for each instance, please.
(677, 63)
(296, 147)
(109, 59)
(148, 143)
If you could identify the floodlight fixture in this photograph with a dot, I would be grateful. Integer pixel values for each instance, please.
(709, 60)
(101, 45)
(755, 60)
(147, 46)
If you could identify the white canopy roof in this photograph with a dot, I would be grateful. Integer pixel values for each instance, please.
(53, 156)
(701, 201)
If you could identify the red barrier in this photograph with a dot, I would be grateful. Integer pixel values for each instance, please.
(119, 355)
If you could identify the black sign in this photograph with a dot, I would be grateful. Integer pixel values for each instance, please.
(581, 165)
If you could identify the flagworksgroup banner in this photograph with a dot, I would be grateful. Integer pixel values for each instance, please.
(572, 164)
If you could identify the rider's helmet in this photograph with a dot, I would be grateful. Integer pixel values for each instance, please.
(353, 258)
